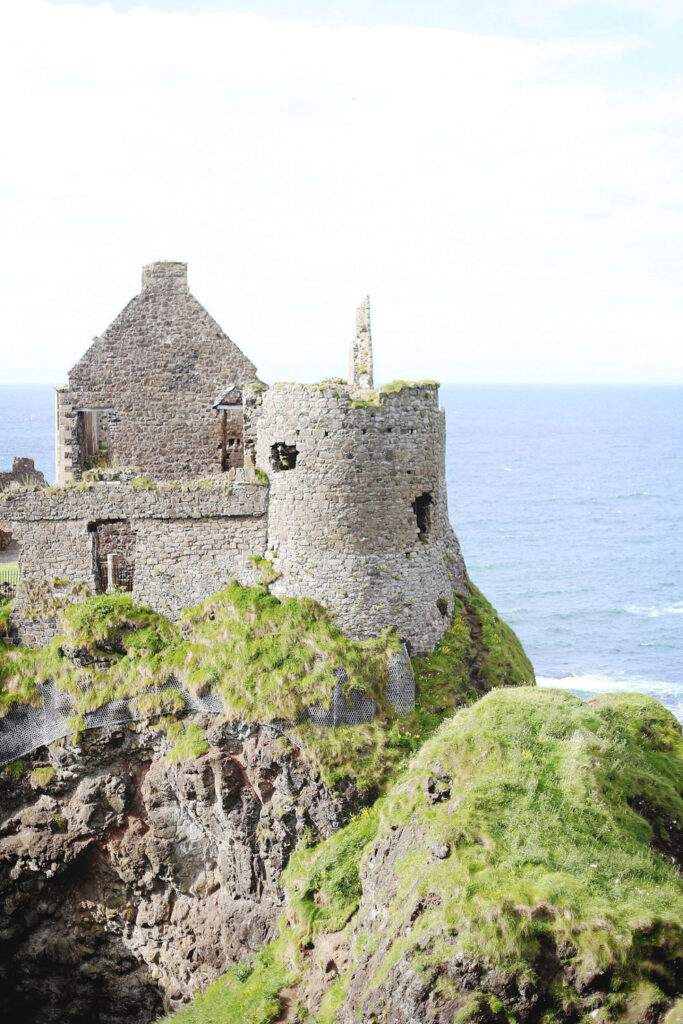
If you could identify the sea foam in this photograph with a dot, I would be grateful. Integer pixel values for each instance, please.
(592, 684)
(653, 612)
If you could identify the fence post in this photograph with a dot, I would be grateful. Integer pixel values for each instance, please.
(112, 580)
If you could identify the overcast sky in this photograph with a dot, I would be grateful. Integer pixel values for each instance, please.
(504, 178)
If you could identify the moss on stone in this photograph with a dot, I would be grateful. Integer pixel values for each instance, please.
(41, 777)
(394, 386)
(15, 769)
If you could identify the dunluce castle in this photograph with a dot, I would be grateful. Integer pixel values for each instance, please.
(178, 470)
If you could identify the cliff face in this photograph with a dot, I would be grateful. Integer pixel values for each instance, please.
(140, 863)
(127, 881)
(522, 869)
(520, 865)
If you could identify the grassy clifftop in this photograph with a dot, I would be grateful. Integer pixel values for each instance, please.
(523, 867)
(267, 659)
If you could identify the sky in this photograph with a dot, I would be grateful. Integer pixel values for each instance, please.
(504, 178)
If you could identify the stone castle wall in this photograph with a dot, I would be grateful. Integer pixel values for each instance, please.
(343, 520)
(355, 513)
(23, 472)
(144, 393)
(185, 542)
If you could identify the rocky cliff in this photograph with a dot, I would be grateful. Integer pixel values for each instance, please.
(129, 881)
(511, 858)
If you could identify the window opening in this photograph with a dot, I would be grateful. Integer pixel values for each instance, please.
(283, 456)
(231, 439)
(422, 510)
(114, 556)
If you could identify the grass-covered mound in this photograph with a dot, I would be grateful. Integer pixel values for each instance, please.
(521, 869)
(268, 659)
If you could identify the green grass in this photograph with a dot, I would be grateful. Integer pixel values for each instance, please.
(188, 741)
(545, 854)
(268, 660)
(540, 815)
(246, 994)
(5, 609)
(395, 386)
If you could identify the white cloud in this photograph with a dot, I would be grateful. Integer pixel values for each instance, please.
(511, 212)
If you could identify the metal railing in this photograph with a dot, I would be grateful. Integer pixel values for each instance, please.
(9, 577)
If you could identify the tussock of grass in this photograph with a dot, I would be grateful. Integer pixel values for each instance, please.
(394, 386)
(266, 658)
(246, 994)
(323, 882)
(188, 741)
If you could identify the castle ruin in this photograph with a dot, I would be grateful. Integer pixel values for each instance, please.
(178, 470)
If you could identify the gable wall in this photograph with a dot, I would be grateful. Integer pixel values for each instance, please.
(154, 375)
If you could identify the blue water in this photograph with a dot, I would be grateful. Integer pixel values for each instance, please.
(568, 503)
(27, 427)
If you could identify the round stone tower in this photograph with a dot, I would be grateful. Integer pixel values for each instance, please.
(358, 515)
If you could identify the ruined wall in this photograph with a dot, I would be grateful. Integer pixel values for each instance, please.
(342, 522)
(23, 472)
(56, 566)
(181, 562)
(185, 542)
(145, 391)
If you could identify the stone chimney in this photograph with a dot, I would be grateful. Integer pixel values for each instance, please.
(164, 275)
(360, 373)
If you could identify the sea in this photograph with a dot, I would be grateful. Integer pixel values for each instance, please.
(568, 503)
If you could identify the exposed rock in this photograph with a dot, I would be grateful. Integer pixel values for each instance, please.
(129, 882)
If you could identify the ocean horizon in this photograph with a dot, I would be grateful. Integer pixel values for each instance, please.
(568, 503)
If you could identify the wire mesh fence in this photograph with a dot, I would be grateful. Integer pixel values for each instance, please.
(9, 578)
(27, 727)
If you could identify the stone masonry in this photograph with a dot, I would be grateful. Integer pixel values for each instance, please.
(360, 521)
(361, 370)
(149, 392)
(23, 472)
(342, 496)
(188, 541)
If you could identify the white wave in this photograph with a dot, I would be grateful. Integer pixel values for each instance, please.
(593, 683)
(653, 612)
